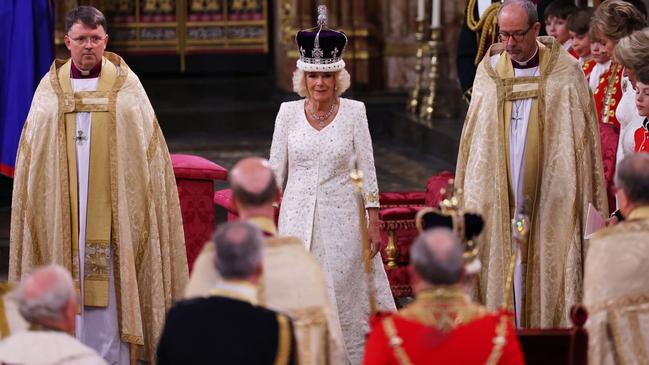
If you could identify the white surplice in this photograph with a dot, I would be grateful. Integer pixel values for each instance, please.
(520, 116)
(95, 327)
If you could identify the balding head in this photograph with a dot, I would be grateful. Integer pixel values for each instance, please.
(46, 296)
(437, 257)
(253, 183)
(519, 27)
(632, 177)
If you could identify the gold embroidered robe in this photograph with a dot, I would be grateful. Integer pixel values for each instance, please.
(616, 292)
(146, 235)
(563, 174)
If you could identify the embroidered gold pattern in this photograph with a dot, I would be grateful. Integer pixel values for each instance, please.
(443, 308)
(395, 341)
(499, 342)
(284, 340)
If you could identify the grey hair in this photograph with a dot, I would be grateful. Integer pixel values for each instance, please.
(239, 248)
(632, 176)
(343, 82)
(528, 6)
(47, 304)
(435, 267)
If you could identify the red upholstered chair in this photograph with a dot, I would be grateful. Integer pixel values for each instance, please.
(195, 181)
(398, 230)
(557, 346)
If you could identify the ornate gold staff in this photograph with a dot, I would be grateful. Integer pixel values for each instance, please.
(357, 181)
(520, 228)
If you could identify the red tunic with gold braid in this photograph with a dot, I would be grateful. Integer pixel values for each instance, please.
(588, 67)
(607, 97)
(573, 53)
(443, 326)
(641, 136)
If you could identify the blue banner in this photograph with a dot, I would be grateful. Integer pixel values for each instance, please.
(26, 53)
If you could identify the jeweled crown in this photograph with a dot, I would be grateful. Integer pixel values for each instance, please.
(321, 48)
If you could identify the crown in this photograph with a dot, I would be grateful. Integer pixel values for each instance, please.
(465, 224)
(321, 48)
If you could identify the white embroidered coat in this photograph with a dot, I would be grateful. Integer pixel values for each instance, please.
(319, 206)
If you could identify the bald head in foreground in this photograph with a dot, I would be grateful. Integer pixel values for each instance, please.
(254, 188)
(47, 300)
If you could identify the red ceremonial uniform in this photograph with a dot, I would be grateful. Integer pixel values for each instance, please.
(442, 326)
(573, 53)
(588, 67)
(607, 97)
(642, 137)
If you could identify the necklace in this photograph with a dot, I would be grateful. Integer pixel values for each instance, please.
(321, 119)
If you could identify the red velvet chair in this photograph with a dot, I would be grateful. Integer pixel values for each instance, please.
(398, 229)
(195, 181)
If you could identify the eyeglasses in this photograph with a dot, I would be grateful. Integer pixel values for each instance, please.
(81, 41)
(518, 36)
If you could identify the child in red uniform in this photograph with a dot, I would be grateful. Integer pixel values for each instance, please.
(556, 18)
(641, 134)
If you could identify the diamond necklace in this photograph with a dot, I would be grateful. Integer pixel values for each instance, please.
(321, 119)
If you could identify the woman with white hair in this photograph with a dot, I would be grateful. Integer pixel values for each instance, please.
(316, 141)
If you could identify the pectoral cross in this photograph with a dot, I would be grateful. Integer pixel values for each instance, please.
(516, 114)
(79, 138)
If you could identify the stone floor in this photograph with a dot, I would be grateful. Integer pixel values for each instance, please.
(223, 120)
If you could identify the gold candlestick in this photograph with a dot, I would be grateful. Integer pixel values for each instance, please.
(433, 44)
(413, 104)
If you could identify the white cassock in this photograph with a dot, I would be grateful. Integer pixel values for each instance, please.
(96, 327)
(520, 117)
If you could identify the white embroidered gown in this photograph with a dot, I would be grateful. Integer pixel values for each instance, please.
(319, 206)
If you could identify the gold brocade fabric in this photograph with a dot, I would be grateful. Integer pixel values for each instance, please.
(146, 229)
(616, 292)
(443, 308)
(98, 218)
(570, 176)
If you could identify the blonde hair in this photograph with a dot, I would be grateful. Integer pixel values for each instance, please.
(632, 51)
(342, 82)
(616, 19)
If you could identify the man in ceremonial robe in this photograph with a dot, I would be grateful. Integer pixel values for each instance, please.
(616, 290)
(94, 191)
(47, 299)
(442, 325)
(530, 145)
(292, 282)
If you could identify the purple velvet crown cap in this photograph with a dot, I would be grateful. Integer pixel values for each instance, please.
(321, 49)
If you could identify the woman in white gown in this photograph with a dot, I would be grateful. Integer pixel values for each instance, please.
(314, 143)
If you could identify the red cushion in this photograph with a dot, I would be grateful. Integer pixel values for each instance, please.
(401, 198)
(198, 168)
(223, 198)
(434, 188)
(398, 214)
